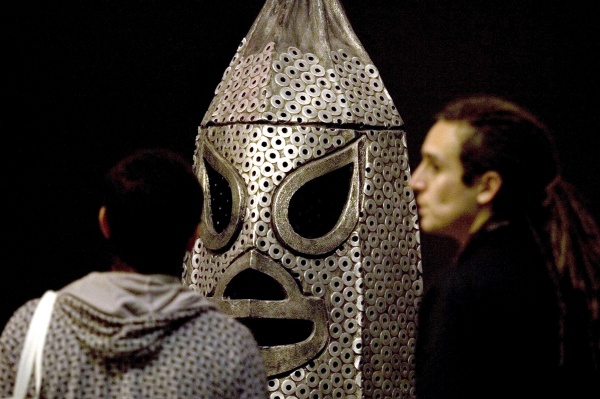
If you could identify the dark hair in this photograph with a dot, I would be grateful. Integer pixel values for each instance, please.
(502, 136)
(153, 204)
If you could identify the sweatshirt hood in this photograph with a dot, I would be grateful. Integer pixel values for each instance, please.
(118, 314)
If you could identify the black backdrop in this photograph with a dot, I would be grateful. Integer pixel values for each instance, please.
(91, 81)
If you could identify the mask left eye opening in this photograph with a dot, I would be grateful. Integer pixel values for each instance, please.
(220, 199)
(224, 203)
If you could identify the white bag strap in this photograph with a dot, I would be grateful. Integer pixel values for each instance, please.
(33, 347)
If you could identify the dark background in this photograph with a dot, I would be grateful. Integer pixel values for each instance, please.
(91, 81)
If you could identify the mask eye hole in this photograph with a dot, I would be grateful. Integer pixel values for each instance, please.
(316, 207)
(224, 203)
(220, 198)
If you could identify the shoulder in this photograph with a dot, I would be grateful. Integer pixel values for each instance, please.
(218, 338)
(217, 326)
(223, 320)
(504, 270)
(12, 339)
(501, 236)
(495, 263)
(503, 252)
(20, 319)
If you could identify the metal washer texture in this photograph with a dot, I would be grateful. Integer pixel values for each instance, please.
(348, 93)
(279, 109)
(371, 285)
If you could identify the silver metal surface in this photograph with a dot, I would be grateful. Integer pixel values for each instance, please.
(300, 101)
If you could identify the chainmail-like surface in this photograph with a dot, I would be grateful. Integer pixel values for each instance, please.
(302, 103)
(298, 88)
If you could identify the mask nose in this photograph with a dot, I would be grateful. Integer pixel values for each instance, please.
(290, 328)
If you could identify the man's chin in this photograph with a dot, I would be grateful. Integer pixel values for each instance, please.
(424, 226)
(432, 229)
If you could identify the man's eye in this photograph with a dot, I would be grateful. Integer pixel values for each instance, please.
(431, 166)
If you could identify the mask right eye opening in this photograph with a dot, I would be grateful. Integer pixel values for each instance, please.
(351, 156)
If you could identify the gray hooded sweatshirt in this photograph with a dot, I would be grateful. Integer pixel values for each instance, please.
(132, 336)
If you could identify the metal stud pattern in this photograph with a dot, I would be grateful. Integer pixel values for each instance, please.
(295, 87)
(283, 111)
(371, 285)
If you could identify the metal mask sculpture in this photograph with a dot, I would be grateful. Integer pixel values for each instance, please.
(309, 234)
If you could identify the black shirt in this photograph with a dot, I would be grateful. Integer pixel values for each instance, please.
(490, 326)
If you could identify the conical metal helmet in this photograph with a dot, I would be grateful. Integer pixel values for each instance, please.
(309, 234)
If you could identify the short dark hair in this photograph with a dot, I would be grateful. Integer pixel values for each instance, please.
(509, 139)
(153, 203)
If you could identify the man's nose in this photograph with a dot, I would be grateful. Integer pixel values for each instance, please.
(415, 182)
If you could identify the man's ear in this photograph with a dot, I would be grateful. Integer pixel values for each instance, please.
(192, 240)
(104, 227)
(488, 186)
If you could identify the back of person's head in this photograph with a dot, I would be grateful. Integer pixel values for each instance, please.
(502, 136)
(153, 202)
